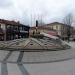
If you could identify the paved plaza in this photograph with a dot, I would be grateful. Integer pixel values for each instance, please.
(38, 63)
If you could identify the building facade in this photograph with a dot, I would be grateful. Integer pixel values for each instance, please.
(1, 34)
(13, 30)
(62, 29)
(42, 29)
(55, 28)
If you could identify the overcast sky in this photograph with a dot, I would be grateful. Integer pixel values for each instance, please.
(25, 10)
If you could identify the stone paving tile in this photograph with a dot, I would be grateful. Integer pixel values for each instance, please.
(57, 68)
(7, 56)
(23, 69)
(13, 69)
(0, 68)
(3, 54)
(20, 56)
(14, 56)
(4, 70)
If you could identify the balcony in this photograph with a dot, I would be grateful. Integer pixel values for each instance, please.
(23, 31)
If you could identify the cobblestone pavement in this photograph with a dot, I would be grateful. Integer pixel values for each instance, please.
(32, 44)
(26, 63)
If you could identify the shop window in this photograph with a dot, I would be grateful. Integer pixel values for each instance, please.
(16, 28)
(0, 25)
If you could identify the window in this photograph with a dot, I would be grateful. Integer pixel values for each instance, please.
(52, 27)
(0, 25)
(11, 27)
(8, 26)
(56, 27)
(15, 27)
(20, 28)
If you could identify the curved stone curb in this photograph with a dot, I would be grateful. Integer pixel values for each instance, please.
(52, 56)
(33, 44)
(46, 57)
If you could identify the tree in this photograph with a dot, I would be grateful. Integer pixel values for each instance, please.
(68, 20)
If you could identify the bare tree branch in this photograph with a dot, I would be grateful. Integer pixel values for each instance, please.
(68, 20)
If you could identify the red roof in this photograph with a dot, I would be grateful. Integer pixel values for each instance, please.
(52, 33)
(9, 22)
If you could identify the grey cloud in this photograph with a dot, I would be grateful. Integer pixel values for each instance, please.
(5, 3)
(48, 10)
